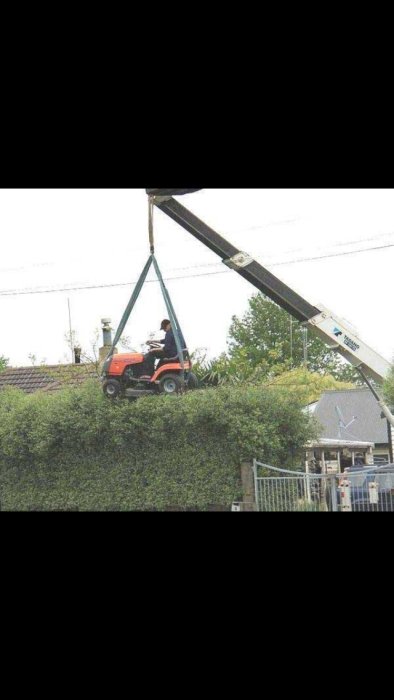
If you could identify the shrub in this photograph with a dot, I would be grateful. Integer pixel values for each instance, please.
(77, 450)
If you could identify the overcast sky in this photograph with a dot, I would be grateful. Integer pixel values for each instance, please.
(51, 239)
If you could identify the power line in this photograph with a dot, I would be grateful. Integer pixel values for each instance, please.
(106, 286)
(338, 244)
(183, 277)
(317, 257)
(334, 255)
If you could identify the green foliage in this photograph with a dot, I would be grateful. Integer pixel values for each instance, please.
(217, 372)
(308, 386)
(266, 343)
(269, 340)
(389, 388)
(77, 450)
(3, 363)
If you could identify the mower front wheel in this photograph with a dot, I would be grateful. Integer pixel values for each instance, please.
(170, 384)
(112, 388)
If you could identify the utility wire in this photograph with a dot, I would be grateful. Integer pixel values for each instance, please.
(107, 286)
(334, 255)
(4, 293)
(338, 244)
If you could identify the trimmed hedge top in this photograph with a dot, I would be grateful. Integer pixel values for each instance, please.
(77, 449)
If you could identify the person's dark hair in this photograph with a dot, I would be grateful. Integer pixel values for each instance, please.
(164, 324)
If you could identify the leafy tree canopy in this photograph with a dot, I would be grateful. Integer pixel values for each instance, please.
(265, 343)
(268, 337)
(389, 388)
(307, 386)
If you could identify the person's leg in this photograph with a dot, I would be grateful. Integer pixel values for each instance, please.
(148, 367)
(159, 354)
(161, 362)
(149, 362)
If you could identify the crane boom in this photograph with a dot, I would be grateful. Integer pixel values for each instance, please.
(246, 266)
(333, 330)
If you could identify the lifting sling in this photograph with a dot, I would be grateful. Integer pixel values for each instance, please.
(167, 299)
(170, 309)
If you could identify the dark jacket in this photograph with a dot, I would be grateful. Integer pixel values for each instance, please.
(170, 349)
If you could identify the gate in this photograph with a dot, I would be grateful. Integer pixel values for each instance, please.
(281, 490)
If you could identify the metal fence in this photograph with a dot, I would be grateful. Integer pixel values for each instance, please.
(281, 490)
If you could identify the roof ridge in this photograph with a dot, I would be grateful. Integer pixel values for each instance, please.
(43, 367)
(345, 391)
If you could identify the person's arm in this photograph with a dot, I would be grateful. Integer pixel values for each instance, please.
(162, 342)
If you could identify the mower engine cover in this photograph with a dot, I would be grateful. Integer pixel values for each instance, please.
(169, 193)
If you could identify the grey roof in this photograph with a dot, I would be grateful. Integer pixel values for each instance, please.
(46, 378)
(359, 403)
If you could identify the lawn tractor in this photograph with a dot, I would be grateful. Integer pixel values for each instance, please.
(124, 376)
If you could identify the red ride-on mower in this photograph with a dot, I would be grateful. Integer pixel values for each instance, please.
(123, 376)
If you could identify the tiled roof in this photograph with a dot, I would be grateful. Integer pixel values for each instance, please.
(46, 378)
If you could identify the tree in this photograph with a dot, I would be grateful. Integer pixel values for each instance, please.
(91, 357)
(307, 386)
(389, 388)
(269, 339)
(3, 363)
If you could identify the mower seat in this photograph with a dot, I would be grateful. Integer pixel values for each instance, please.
(169, 360)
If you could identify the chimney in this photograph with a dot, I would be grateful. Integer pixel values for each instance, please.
(107, 339)
(77, 355)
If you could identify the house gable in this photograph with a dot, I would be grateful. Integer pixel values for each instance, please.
(357, 404)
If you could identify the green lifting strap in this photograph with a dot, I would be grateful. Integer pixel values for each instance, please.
(130, 305)
(171, 312)
(172, 316)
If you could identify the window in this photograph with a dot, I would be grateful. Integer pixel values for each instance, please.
(379, 460)
(331, 456)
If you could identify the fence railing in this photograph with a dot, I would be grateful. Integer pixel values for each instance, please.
(282, 490)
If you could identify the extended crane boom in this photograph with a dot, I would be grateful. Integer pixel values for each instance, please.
(333, 330)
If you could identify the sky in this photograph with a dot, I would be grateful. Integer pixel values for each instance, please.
(334, 247)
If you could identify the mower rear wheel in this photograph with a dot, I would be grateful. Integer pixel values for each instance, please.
(170, 384)
(112, 388)
(192, 381)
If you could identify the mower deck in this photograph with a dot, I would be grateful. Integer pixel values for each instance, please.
(136, 393)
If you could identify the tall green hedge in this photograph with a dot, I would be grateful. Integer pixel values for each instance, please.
(77, 450)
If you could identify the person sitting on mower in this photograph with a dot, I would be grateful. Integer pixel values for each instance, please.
(169, 350)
